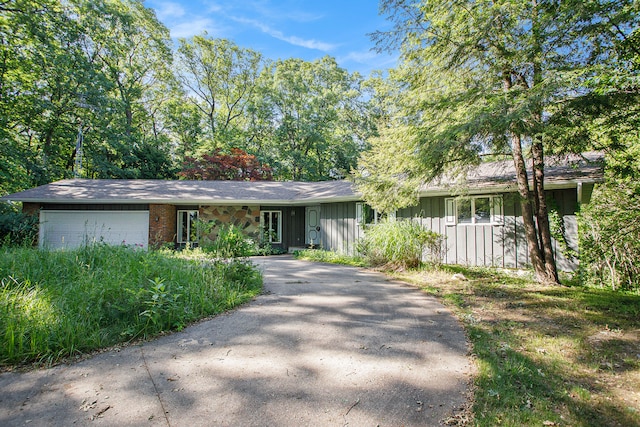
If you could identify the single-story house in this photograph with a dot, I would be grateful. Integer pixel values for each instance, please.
(479, 215)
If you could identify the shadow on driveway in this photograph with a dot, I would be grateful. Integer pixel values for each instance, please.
(324, 345)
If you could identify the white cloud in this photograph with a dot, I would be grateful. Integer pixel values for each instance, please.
(362, 57)
(294, 40)
(193, 27)
(166, 11)
(276, 10)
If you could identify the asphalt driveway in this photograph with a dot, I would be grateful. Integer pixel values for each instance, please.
(325, 345)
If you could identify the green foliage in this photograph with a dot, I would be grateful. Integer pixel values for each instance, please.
(99, 67)
(401, 243)
(609, 228)
(230, 242)
(59, 304)
(310, 119)
(558, 230)
(17, 228)
(545, 355)
(319, 255)
(107, 70)
(160, 303)
(220, 78)
(483, 78)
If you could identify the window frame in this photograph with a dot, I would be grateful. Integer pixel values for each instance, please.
(496, 216)
(192, 225)
(366, 215)
(268, 233)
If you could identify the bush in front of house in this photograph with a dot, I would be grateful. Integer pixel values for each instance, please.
(399, 242)
(609, 227)
(17, 228)
(58, 304)
(231, 242)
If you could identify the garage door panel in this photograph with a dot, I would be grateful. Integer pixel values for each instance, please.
(70, 229)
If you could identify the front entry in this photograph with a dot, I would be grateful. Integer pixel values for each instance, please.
(312, 223)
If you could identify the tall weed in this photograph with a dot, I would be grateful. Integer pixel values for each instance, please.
(401, 243)
(61, 303)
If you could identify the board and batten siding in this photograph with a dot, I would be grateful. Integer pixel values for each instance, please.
(339, 230)
(498, 245)
(501, 244)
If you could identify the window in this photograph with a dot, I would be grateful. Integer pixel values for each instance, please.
(474, 210)
(365, 215)
(272, 226)
(187, 226)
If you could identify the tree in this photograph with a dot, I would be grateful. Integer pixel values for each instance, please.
(79, 66)
(609, 229)
(482, 77)
(236, 166)
(310, 119)
(220, 78)
(42, 73)
(607, 117)
(132, 49)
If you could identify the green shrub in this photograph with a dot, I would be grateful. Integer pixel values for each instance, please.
(230, 242)
(17, 228)
(609, 246)
(401, 243)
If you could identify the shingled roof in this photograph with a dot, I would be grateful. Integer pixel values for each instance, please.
(560, 172)
(187, 192)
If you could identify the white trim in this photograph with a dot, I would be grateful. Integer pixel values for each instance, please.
(179, 224)
(359, 213)
(496, 215)
(279, 226)
(450, 211)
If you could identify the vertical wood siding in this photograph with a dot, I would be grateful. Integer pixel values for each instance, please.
(338, 228)
(501, 245)
(292, 225)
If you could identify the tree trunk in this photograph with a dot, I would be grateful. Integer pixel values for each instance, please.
(537, 153)
(542, 215)
(526, 203)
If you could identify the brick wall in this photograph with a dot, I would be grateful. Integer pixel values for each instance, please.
(162, 224)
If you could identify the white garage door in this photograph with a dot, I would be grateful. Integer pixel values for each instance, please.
(70, 229)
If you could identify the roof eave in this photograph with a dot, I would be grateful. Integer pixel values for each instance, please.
(504, 187)
(178, 202)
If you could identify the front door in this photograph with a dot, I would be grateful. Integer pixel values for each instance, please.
(312, 222)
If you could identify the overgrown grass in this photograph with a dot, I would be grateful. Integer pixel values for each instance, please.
(54, 305)
(331, 257)
(545, 356)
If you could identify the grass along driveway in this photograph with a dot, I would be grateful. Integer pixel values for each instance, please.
(55, 305)
(552, 356)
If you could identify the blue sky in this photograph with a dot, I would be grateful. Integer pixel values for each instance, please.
(282, 29)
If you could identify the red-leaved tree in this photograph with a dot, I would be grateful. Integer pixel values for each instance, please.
(236, 166)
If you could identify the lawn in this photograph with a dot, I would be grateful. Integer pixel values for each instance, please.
(63, 304)
(545, 356)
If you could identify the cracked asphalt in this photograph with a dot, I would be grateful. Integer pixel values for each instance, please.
(323, 345)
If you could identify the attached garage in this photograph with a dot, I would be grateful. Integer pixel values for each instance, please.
(70, 229)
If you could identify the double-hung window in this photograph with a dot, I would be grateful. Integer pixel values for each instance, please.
(187, 226)
(475, 210)
(272, 226)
